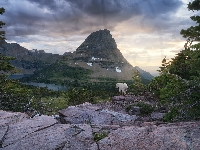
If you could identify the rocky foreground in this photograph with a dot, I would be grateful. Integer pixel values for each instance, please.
(94, 127)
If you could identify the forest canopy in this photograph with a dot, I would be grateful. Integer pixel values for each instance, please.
(178, 85)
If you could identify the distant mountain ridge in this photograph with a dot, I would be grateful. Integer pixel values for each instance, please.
(28, 60)
(144, 74)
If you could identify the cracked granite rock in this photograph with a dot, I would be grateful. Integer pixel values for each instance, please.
(94, 115)
(46, 133)
(175, 136)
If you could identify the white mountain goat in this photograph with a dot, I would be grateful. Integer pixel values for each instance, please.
(122, 88)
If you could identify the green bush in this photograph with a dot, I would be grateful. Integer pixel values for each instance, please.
(179, 94)
(171, 115)
(99, 136)
(79, 95)
(144, 108)
(138, 88)
(53, 104)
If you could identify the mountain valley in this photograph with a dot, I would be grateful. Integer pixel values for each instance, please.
(97, 59)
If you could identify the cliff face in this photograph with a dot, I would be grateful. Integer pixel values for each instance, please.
(100, 44)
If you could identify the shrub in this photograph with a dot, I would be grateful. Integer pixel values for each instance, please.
(79, 95)
(171, 115)
(138, 88)
(99, 136)
(144, 108)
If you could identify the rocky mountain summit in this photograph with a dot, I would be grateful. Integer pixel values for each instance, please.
(100, 44)
(96, 127)
(99, 53)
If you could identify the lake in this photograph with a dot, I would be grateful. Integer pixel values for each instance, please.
(18, 76)
(49, 86)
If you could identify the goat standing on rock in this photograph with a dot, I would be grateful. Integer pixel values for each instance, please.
(122, 88)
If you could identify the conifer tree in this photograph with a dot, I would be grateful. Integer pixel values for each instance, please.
(2, 33)
(178, 85)
(193, 33)
(138, 88)
(5, 66)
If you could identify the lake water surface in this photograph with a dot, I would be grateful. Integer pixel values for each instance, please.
(49, 86)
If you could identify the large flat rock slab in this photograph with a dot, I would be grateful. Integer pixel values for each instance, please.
(86, 113)
(6, 119)
(11, 117)
(26, 127)
(57, 137)
(180, 136)
(46, 133)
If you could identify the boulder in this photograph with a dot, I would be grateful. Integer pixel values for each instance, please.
(118, 98)
(157, 116)
(134, 110)
(125, 98)
(89, 114)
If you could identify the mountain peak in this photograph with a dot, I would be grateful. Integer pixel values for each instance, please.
(97, 42)
(99, 53)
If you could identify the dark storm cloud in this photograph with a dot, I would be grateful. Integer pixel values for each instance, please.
(51, 4)
(130, 7)
(117, 10)
(160, 7)
(66, 17)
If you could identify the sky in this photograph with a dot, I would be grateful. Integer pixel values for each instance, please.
(145, 30)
